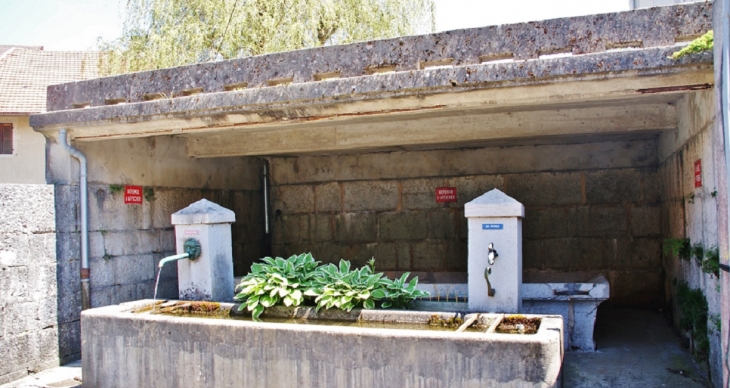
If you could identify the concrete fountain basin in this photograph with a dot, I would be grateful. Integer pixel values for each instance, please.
(122, 347)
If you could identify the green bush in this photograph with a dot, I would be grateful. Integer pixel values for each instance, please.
(679, 247)
(276, 281)
(711, 264)
(698, 252)
(300, 279)
(346, 289)
(399, 293)
(693, 307)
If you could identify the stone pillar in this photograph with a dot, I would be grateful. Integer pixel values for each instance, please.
(495, 218)
(210, 276)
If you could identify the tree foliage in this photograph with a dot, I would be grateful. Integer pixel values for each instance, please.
(167, 33)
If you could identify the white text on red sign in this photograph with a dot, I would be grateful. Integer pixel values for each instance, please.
(445, 194)
(133, 195)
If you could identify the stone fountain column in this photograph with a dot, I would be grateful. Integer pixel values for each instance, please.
(495, 218)
(210, 276)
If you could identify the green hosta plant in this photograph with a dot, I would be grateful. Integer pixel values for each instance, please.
(343, 288)
(276, 281)
(399, 292)
(287, 282)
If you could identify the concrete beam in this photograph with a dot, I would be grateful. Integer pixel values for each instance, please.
(411, 130)
(642, 76)
(591, 34)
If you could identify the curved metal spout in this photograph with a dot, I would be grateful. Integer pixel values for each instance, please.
(173, 258)
(192, 252)
(487, 272)
(491, 256)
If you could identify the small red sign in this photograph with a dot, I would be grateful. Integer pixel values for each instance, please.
(133, 195)
(698, 173)
(445, 194)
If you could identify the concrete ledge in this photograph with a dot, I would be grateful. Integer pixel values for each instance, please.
(162, 351)
(595, 288)
(659, 26)
(458, 79)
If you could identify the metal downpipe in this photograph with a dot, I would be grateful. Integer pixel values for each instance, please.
(725, 116)
(266, 196)
(84, 199)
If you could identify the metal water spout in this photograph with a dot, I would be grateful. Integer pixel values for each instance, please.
(192, 252)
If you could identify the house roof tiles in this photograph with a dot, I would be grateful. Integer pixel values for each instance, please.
(26, 72)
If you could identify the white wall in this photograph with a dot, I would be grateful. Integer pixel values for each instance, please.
(27, 164)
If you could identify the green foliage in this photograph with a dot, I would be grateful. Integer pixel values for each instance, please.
(149, 193)
(711, 265)
(693, 306)
(167, 33)
(399, 293)
(703, 43)
(293, 281)
(698, 252)
(115, 188)
(678, 247)
(276, 281)
(346, 289)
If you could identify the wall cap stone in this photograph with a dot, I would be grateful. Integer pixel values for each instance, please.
(494, 203)
(203, 212)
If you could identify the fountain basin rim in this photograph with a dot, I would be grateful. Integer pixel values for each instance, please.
(546, 333)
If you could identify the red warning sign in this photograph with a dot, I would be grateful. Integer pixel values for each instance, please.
(698, 173)
(445, 194)
(133, 195)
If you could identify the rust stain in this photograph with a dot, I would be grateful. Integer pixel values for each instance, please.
(679, 88)
(127, 134)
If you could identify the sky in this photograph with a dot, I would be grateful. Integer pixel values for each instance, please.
(77, 24)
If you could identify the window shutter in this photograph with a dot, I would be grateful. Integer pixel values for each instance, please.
(7, 139)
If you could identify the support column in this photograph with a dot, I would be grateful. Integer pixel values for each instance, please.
(495, 285)
(210, 276)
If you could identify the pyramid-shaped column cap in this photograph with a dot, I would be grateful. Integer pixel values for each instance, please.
(494, 204)
(203, 212)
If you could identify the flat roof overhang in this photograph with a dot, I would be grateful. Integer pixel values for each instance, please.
(442, 107)
(612, 78)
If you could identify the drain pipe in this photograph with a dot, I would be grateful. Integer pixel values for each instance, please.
(724, 113)
(266, 196)
(85, 287)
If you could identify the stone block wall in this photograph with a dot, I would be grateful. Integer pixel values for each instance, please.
(589, 207)
(694, 212)
(28, 292)
(126, 242)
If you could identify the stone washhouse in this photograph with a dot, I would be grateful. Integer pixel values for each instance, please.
(340, 150)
